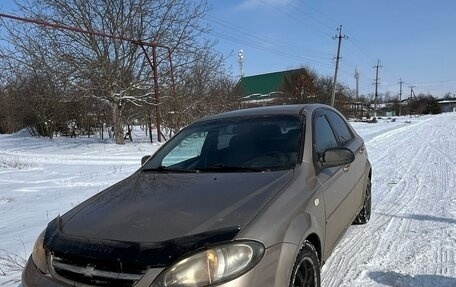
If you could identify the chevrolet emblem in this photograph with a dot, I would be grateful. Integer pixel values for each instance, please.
(88, 271)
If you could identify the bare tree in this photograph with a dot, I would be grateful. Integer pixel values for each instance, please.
(110, 71)
(204, 88)
(424, 104)
(300, 86)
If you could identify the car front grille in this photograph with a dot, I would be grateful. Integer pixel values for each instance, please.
(74, 273)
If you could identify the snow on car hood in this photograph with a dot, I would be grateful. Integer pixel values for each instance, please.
(154, 207)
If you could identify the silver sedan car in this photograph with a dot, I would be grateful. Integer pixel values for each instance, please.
(250, 198)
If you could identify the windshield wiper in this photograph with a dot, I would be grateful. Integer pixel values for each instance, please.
(167, 169)
(213, 168)
(225, 168)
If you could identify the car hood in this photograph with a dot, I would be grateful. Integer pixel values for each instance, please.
(155, 207)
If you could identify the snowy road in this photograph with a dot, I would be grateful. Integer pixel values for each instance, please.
(410, 240)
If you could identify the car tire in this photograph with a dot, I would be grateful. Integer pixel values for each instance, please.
(306, 270)
(365, 213)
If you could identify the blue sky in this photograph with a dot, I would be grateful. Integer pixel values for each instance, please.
(413, 39)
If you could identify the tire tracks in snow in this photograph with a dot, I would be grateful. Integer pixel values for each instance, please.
(412, 228)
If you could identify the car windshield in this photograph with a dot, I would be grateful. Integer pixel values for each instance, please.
(247, 144)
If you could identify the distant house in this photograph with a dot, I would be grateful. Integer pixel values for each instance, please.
(292, 87)
(264, 89)
(447, 105)
(385, 109)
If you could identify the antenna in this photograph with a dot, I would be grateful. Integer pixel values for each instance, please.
(241, 62)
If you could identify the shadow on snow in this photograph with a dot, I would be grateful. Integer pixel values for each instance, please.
(395, 279)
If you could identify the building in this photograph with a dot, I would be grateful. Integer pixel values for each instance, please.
(263, 89)
(297, 86)
(447, 105)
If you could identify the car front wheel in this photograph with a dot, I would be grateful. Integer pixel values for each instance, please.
(306, 271)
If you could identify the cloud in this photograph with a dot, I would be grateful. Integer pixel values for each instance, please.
(251, 4)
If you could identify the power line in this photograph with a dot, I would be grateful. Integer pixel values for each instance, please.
(303, 12)
(434, 82)
(247, 35)
(278, 52)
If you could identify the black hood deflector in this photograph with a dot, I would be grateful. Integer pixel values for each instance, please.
(131, 256)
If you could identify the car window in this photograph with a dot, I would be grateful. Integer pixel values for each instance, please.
(340, 127)
(324, 136)
(188, 149)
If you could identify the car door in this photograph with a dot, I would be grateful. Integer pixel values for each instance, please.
(336, 182)
(355, 171)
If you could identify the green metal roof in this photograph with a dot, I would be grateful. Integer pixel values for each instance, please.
(263, 84)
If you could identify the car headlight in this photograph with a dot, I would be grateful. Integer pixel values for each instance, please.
(39, 254)
(215, 265)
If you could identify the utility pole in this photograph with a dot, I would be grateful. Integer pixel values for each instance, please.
(411, 95)
(156, 93)
(357, 92)
(340, 37)
(376, 88)
(400, 96)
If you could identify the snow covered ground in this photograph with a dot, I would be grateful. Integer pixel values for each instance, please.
(410, 240)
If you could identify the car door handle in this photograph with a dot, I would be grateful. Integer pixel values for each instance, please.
(346, 168)
(361, 150)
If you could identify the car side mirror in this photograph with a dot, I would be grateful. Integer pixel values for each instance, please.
(144, 159)
(337, 157)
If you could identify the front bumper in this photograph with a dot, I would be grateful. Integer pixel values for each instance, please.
(272, 271)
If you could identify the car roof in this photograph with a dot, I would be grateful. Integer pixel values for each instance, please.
(269, 110)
